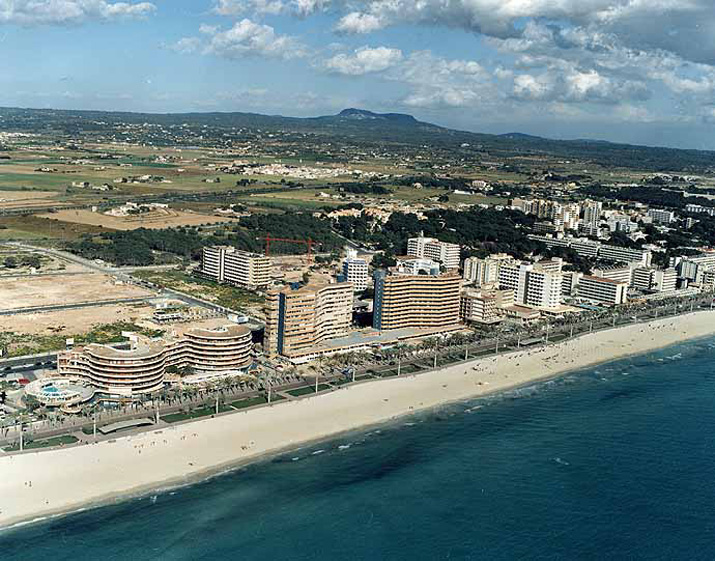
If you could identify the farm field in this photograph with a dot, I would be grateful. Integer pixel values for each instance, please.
(38, 228)
(157, 219)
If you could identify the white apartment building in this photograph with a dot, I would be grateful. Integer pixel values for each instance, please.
(356, 272)
(532, 285)
(481, 272)
(660, 216)
(448, 254)
(620, 273)
(592, 211)
(648, 278)
(625, 254)
(604, 291)
(589, 248)
(693, 266)
(233, 266)
(485, 307)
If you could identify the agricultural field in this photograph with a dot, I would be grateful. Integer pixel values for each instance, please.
(155, 220)
(18, 228)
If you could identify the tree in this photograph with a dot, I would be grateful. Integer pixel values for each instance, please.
(10, 262)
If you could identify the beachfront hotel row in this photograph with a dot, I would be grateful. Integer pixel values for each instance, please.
(423, 295)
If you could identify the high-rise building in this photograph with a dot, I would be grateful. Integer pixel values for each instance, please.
(537, 285)
(661, 216)
(233, 266)
(299, 318)
(423, 301)
(648, 278)
(448, 254)
(592, 211)
(141, 368)
(481, 272)
(356, 271)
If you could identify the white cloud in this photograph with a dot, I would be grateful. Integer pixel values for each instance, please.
(438, 82)
(274, 7)
(356, 22)
(187, 45)
(247, 38)
(364, 61)
(67, 12)
(307, 7)
(239, 7)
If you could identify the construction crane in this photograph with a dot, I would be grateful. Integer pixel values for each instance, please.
(309, 243)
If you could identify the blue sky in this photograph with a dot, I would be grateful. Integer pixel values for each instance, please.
(640, 71)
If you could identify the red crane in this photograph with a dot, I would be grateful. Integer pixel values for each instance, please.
(309, 243)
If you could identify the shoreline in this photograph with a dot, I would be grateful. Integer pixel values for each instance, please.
(33, 490)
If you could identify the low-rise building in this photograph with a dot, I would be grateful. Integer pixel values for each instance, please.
(485, 307)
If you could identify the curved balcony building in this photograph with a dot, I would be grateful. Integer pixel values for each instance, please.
(141, 369)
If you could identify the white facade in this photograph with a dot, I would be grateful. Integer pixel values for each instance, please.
(592, 212)
(605, 291)
(430, 248)
(648, 278)
(661, 216)
(532, 285)
(241, 268)
(485, 271)
(356, 272)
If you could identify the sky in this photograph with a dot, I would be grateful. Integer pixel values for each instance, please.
(637, 71)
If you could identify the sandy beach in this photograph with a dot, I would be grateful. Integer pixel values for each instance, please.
(38, 484)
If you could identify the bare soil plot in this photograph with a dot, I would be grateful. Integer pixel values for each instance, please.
(72, 322)
(153, 220)
(54, 290)
(26, 199)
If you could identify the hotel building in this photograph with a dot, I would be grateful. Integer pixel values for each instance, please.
(447, 254)
(355, 271)
(485, 306)
(482, 272)
(588, 248)
(424, 300)
(233, 266)
(604, 291)
(297, 319)
(141, 368)
(536, 285)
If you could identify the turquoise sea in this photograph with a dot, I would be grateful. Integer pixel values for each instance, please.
(613, 462)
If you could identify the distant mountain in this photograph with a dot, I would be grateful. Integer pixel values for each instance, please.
(362, 115)
(375, 129)
(521, 136)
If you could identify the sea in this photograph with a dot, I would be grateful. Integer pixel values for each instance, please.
(611, 462)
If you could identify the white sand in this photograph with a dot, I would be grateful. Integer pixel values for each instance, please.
(42, 483)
